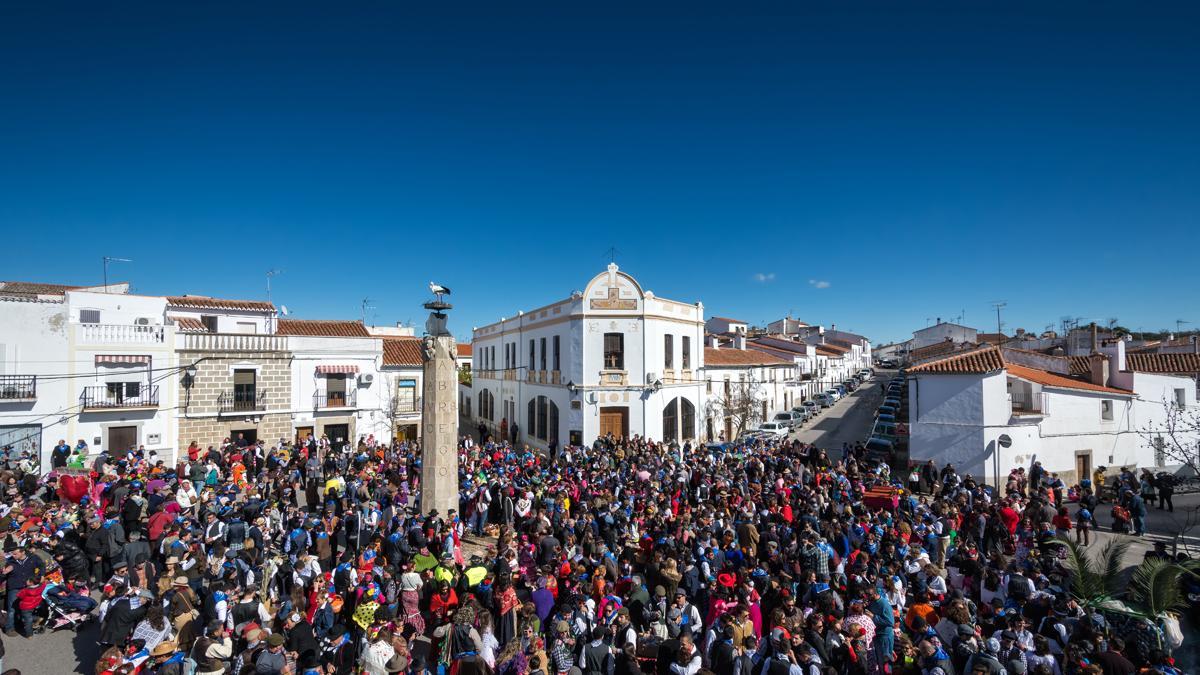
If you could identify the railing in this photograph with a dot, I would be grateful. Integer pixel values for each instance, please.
(613, 377)
(103, 397)
(1026, 402)
(18, 387)
(112, 333)
(335, 399)
(242, 401)
(234, 342)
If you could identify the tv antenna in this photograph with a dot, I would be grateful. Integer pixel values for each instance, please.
(999, 305)
(1179, 325)
(111, 259)
(271, 273)
(365, 306)
(612, 254)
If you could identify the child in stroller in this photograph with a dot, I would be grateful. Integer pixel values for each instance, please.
(68, 604)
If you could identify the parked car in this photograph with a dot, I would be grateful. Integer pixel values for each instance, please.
(886, 418)
(841, 389)
(824, 400)
(804, 412)
(791, 419)
(888, 410)
(775, 428)
(813, 408)
(880, 449)
(866, 373)
(887, 363)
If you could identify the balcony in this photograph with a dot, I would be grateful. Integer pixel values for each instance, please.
(325, 399)
(234, 342)
(614, 378)
(18, 388)
(112, 333)
(1027, 403)
(119, 396)
(242, 401)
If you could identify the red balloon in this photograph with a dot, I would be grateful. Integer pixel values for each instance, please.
(73, 488)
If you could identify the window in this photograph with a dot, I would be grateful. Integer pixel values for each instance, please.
(119, 391)
(668, 352)
(557, 366)
(687, 352)
(542, 413)
(687, 424)
(614, 351)
(671, 421)
(543, 361)
(244, 389)
(1106, 410)
(1180, 398)
(532, 353)
(552, 434)
(531, 423)
(89, 316)
(406, 396)
(247, 327)
(209, 322)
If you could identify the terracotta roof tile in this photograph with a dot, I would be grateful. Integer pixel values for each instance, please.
(189, 324)
(1048, 379)
(33, 288)
(991, 338)
(1080, 365)
(464, 349)
(989, 359)
(318, 328)
(205, 302)
(726, 319)
(780, 344)
(1163, 363)
(402, 351)
(937, 349)
(742, 357)
(984, 360)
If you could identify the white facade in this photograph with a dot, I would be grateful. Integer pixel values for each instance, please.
(594, 363)
(721, 324)
(747, 384)
(941, 332)
(1071, 425)
(337, 385)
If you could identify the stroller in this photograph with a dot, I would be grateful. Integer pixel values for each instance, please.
(67, 605)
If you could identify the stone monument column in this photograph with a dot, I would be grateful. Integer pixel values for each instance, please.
(439, 414)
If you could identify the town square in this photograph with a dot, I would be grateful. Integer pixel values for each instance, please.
(767, 339)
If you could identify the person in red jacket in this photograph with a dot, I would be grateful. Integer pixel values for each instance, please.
(28, 600)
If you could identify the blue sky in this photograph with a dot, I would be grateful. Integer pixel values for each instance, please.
(866, 164)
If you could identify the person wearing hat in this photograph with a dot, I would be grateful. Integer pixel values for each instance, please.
(183, 610)
(166, 659)
(272, 660)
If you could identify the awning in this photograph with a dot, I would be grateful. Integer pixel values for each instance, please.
(122, 359)
(337, 370)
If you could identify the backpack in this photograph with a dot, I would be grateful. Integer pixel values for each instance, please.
(1018, 587)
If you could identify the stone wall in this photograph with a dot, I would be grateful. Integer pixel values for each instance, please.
(200, 417)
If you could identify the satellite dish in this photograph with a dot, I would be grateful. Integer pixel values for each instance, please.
(283, 310)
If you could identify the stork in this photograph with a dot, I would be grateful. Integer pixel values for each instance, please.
(438, 290)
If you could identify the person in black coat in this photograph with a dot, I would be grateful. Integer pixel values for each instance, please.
(300, 637)
(120, 619)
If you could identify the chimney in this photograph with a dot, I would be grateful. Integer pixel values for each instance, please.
(1095, 337)
(939, 320)
(1196, 344)
(739, 341)
(833, 327)
(714, 342)
(1020, 333)
(1098, 363)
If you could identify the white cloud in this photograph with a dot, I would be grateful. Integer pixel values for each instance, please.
(815, 283)
(764, 277)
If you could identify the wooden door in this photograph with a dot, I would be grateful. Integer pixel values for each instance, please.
(121, 440)
(1083, 465)
(614, 421)
(303, 434)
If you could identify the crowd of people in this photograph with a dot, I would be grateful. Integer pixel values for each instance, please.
(763, 557)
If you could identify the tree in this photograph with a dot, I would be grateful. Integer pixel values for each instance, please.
(1156, 589)
(740, 403)
(1177, 437)
(464, 374)
(1096, 579)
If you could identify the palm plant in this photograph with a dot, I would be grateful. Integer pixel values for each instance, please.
(1155, 586)
(1095, 579)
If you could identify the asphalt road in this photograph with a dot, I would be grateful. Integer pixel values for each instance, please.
(847, 421)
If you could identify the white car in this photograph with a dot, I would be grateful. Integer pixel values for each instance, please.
(833, 394)
(775, 428)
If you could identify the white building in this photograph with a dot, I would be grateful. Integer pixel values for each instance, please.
(612, 359)
(943, 331)
(720, 325)
(337, 391)
(990, 410)
(745, 387)
(403, 377)
(786, 326)
(85, 363)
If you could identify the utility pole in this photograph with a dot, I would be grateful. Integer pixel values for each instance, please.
(108, 259)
